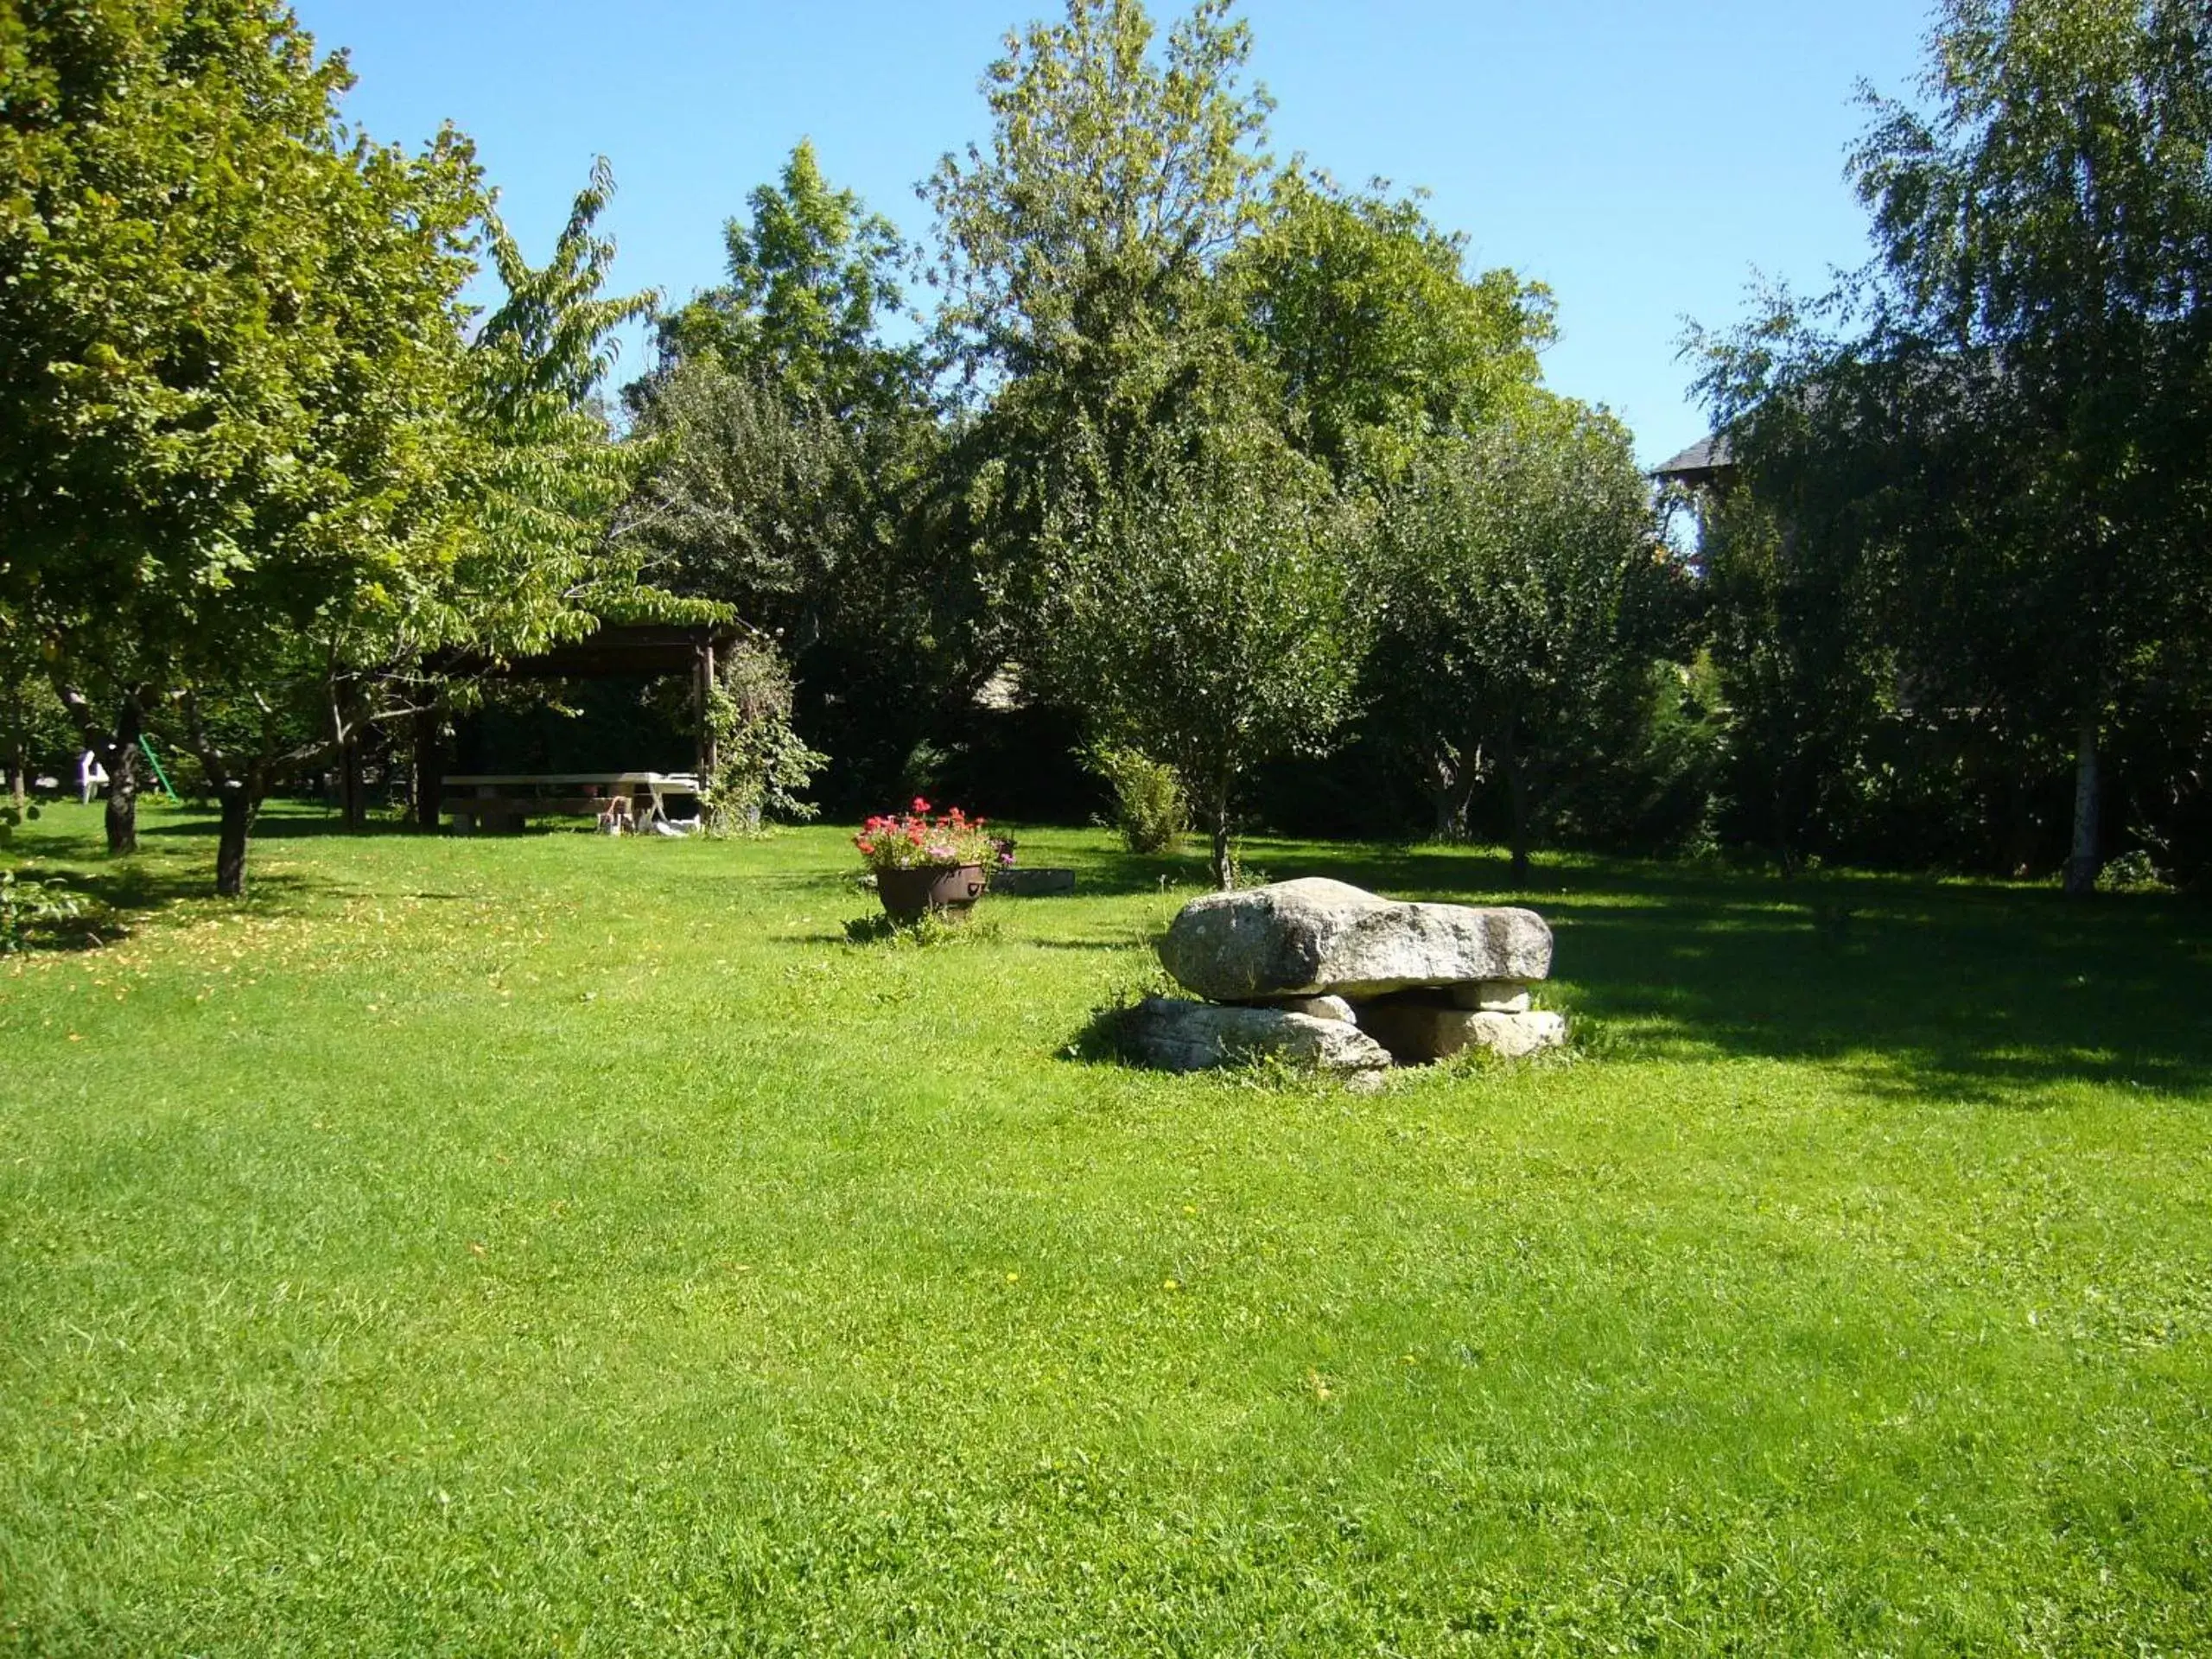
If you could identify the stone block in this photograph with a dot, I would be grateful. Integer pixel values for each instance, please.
(1492, 996)
(1173, 1035)
(1418, 1034)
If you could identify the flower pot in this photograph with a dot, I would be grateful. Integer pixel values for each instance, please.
(908, 894)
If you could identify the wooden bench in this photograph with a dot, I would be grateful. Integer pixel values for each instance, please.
(507, 801)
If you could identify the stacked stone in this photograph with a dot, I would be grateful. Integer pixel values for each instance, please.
(1322, 973)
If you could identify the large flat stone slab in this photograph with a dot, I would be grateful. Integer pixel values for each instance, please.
(1171, 1035)
(1317, 937)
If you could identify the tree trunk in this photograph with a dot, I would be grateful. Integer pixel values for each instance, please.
(430, 774)
(1780, 799)
(1519, 828)
(2082, 868)
(1517, 784)
(19, 758)
(352, 793)
(118, 751)
(122, 819)
(1225, 868)
(239, 806)
(1451, 786)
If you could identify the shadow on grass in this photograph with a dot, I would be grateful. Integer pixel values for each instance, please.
(119, 894)
(290, 822)
(1967, 991)
(1922, 986)
(120, 897)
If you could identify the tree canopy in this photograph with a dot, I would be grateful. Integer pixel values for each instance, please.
(1996, 423)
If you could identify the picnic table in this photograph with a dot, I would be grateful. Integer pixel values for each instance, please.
(506, 801)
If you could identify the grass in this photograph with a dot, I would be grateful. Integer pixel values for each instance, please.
(555, 1245)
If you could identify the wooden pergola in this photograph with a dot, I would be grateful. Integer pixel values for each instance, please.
(617, 650)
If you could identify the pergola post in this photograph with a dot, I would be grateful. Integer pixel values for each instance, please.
(703, 690)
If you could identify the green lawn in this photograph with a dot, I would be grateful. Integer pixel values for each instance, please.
(558, 1245)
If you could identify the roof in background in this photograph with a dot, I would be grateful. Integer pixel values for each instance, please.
(1702, 458)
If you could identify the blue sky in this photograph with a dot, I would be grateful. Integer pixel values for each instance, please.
(1645, 160)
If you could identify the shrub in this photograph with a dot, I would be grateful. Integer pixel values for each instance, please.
(760, 762)
(2132, 872)
(25, 904)
(1150, 809)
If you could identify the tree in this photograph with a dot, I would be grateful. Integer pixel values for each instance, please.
(2004, 414)
(1080, 252)
(1526, 593)
(228, 363)
(1115, 180)
(35, 730)
(805, 479)
(759, 495)
(1362, 310)
(1205, 613)
(811, 276)
(254, 473)
(502, 550)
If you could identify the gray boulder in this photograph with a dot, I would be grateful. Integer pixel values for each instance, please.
(1322, 938)
(1177, 1036)
(1417, 1033)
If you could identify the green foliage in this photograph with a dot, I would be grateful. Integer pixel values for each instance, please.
(1361, 307)
(1205, 615)
(757, 497)
(2132, 872)
(761, 764)
(512, 555)
(1647, 776)
(35, 732)
(1151, 809)
(825, 533)
(537, 565)
(28, 904)
(1984, 431)
(1079, 258)
(800, 479)
(1525, 599)
(811, 277)
(233, 366)
(1116, 176)
(255, 472)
